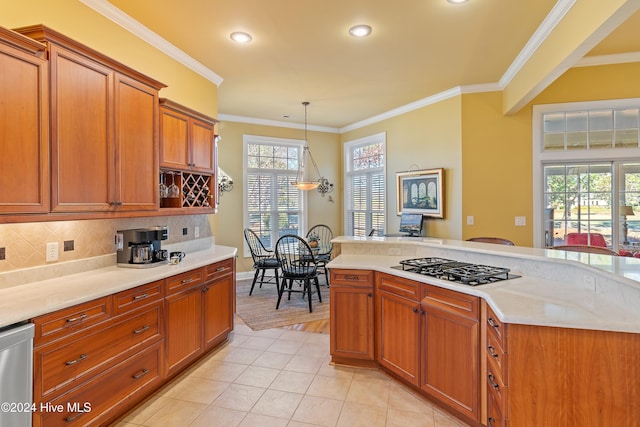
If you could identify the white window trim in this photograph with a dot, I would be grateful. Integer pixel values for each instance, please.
(348, 147)
(257, 139)
(540, 157)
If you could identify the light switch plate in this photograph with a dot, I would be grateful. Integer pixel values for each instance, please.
(470, 220)
(521, 221)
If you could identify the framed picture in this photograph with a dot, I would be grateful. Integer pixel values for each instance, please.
(421, 191)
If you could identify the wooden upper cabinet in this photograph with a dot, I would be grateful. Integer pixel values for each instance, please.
(104, 129)
(24, 125)
(186, 139)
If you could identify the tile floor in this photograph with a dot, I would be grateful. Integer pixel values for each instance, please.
(279, 377)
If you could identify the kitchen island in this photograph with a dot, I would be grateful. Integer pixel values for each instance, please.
(558, 345)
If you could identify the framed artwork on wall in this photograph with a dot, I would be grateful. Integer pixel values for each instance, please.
(421, 191)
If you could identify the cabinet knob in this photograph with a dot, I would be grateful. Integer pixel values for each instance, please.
(370, 294)
(415, 309)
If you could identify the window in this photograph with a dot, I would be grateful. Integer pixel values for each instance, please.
(273, 207)
(587, 173)
(364, 196)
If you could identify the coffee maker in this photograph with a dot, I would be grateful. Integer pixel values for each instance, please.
(141, 248)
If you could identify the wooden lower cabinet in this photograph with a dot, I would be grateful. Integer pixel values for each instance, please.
(450, 349)
(398, 316)
(351, 316)
(96, 360)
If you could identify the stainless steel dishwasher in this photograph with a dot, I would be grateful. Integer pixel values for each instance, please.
(16, 375)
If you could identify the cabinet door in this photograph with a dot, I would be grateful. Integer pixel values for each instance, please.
(352, 322)
(217, 310)
(202, 146)
(82, 140)
(137, 145)
(183, 329)
(398, 321)
(174, 143)
(24, 132)
(450, 345)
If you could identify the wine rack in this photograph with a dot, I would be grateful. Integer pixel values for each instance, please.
(195, 190)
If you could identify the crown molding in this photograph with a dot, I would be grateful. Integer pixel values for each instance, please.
(106, 9)
(276, 123)
(539, 36)
(618, 58)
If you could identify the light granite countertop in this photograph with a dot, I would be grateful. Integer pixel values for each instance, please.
(23, 301)
(556, 288)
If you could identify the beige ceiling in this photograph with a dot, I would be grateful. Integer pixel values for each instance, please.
(301, 50)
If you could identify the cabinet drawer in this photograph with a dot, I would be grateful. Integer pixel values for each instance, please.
(58, 365)
(184, 281)
(453, 302)
(496, 387)
(140, 296)
(108, 393)
(398, 286)
(494, 412)
(496, 328)
(497, 357)
(63, 322)
(351, 277)
(218, 270)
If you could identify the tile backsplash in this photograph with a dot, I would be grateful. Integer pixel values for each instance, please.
(25, 244)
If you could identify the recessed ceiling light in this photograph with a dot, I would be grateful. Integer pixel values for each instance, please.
(241, 37)
(457, 1)
(360, 30)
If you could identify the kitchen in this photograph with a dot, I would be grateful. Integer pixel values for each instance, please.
(449, 142)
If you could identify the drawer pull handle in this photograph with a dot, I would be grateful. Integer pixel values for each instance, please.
(492, 351)
(492, 323)
(141, 296)
(141, 374)
(205, 289)
(141, 330)
(189, 280)
(73, 362)
(492, 382)
(351, 277)
(73, 417)
(77, 319)
(219, 269)
(491, 421)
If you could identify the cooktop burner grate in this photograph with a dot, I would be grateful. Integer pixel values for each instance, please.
(455, 271)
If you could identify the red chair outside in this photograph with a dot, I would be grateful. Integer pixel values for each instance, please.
(597, 239)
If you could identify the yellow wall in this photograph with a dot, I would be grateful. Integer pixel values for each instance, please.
(75, 20)
(325, 147)
(424, 139)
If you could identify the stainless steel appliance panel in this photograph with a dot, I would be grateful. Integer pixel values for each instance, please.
(16, 375)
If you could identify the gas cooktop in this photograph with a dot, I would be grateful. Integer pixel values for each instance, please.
(455, 271)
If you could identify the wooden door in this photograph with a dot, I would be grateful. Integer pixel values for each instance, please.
(183, 330)
(351, 322)
(24, 132)
(174, 143)
(82, 139)
(217, 310)
(398, 333)
(450, 350)
(202, 146)
(137, 145)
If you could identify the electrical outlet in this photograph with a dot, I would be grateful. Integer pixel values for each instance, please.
(185, 231)
(521, 221)
(119, 241)
(196, 232)
(470, 220)
(52, 252)
(2, 253)
(68, 245)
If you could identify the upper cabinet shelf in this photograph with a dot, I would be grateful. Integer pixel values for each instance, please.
(186, 139)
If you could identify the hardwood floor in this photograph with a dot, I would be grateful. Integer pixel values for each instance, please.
(317, 326)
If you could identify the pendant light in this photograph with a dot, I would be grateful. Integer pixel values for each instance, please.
(300, 182)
